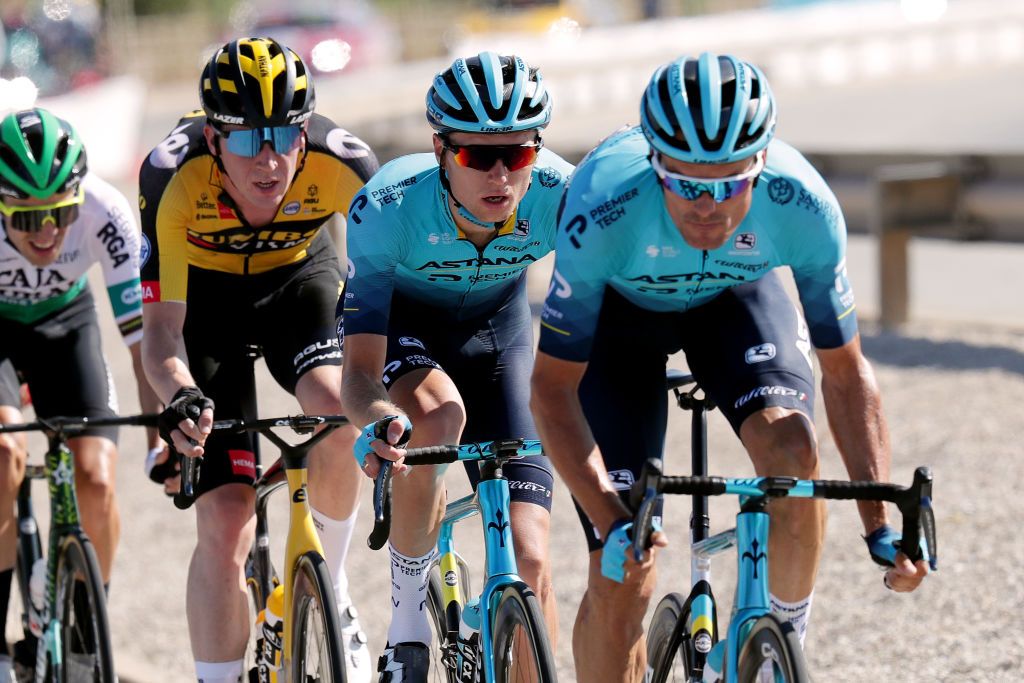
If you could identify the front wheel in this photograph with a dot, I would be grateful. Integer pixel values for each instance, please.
(521, 648)
(85, 651)
(442, 648)
(667, 653)
(771, 653)
(317, 653)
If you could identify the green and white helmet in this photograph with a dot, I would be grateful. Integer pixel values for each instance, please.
(40, 155)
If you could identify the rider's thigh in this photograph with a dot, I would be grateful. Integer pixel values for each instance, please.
(433, 404)
(781, 442)
(319, 390)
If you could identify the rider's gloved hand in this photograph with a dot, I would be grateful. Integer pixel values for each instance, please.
(901, 575)
(162, 467)
(381, 431)
(188, 403)
(613, 554)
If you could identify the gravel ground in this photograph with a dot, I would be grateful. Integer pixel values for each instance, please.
(952, 393)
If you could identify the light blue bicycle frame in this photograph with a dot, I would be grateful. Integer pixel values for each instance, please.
(491, 502)
(750, 537)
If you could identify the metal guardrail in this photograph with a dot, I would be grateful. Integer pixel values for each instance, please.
(897, 198)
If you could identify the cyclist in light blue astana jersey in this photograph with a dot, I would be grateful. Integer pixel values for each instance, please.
(437, 328)
(667, 241)
(58, 221)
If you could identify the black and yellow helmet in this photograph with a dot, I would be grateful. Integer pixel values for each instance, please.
(256, 82)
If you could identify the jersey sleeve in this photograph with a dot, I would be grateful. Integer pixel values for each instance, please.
(163, 251)
(818, 260)
(585, 261)
(374, 251)
(116, 246)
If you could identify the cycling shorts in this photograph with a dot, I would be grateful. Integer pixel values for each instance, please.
(61, 358)
(748, 349)
(490, 359)
(288, 313)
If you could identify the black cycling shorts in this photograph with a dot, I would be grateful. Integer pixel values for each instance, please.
(288, 313)
(61, 358)
(748, 348)
(490, 359)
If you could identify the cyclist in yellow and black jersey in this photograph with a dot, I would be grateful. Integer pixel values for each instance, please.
(233, 203)
(191, 219)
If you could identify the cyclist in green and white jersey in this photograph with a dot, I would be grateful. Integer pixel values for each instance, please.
(58, 220)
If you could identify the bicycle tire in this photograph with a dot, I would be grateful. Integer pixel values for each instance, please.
(317, 653)
(772, 646)
(668, 656)
(440, 669)
(520, 637)
(81, 605)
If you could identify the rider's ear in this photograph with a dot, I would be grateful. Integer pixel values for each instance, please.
(438, 148)
(211, 139)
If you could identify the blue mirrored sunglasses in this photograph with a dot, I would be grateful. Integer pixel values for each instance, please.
(248, 141)
(720, 189)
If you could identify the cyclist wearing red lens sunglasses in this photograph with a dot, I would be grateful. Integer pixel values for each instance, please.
(688, 266)
(58, 221)
(437, 326)
(233, 204)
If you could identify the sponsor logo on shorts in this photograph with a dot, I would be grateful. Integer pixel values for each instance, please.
(760, 353)
(514, 485)
(769, 390)
(622, 480)
(411, 341)
(243, 463)
(145, 249)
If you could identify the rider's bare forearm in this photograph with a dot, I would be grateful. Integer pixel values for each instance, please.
(149, 402)
(365, 398)
(854, 407)
(569, 444)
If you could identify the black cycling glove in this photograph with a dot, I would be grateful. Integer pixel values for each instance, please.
(188, 403)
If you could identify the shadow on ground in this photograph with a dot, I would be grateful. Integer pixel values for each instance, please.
(909, 351)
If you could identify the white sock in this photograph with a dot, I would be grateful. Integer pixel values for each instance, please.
(219, 672)
(797, 613)
(409, 578)
(335, 536)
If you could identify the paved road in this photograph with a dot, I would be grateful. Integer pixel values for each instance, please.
(953, 386)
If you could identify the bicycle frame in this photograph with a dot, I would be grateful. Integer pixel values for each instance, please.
(750, 535)
(491, 501)
(59, 470)
(301, 537)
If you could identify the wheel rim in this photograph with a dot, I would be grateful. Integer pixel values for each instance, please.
(81, 661)
(314, 653)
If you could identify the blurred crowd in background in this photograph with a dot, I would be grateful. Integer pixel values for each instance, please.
(65, 44)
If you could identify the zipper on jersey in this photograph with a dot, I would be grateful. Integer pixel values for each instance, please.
(479, 266)
(700, 282)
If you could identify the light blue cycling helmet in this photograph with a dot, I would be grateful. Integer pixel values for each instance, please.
(712, 109)
(488, 93)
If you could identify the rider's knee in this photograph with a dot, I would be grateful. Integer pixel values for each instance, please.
(12, 463)
(94, 470)
(224, 522)
(784, 443)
